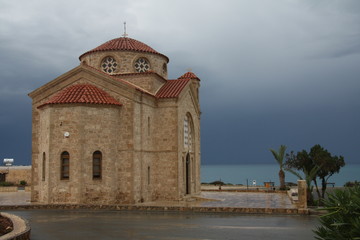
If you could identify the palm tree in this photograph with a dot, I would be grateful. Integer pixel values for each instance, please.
(279, 157)
(309, 177)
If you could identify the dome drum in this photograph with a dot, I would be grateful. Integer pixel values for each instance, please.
(126, 55)
(125, 62)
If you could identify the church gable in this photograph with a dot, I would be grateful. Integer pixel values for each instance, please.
(185, 86)
(87, 75)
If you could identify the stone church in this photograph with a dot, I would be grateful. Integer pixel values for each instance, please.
(116, 130)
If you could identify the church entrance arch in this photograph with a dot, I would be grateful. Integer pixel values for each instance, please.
(188, 174)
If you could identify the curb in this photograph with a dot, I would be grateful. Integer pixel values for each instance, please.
(21, 229)
(284, 211)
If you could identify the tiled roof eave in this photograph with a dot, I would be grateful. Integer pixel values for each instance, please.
(115, 50)
(172, 89)
(79, 103)
(82, 94)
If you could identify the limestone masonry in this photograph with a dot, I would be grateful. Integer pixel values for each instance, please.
(16, 174)
(116, 130)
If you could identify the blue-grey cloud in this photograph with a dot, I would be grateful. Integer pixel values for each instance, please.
(272, 72)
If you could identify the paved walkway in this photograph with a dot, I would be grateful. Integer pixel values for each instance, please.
(209, 199)
(15, 198)
(247, 199)
(234, 199)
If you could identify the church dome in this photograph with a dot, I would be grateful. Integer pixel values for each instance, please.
(124, 44)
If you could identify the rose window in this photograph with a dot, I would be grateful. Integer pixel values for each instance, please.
(109, 65)
(142, 65)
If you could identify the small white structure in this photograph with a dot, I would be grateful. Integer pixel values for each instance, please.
(8, 162)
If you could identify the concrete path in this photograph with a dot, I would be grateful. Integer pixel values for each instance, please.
(15, 198)
(233, 199)
(247, 199)
(209, 199)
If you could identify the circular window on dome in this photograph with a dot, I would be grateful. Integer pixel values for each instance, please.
(142, 65)
(109, 65)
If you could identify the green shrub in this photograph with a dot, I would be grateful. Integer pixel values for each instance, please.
(218, 182)
(23, 183)
(352, 184)
(343, 218)
(6, 184)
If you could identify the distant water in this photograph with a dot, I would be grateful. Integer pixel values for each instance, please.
(239, 174)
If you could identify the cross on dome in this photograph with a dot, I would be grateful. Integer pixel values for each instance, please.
(125, 34)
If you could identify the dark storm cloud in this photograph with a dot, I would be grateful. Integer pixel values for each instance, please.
(272, 72)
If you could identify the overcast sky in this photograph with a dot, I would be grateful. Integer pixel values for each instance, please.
(272, 72)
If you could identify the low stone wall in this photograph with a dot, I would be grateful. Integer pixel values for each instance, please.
(293, 195)
(15, 189)
(15, 174)
(260, 190)
(285, 211)
(21, 229)
(9, 189)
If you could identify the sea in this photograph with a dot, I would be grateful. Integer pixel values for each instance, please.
(257, 174)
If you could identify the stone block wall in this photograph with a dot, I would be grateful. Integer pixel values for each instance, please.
(126, 61)
(15, 174)
(141, 141)
(192, 111)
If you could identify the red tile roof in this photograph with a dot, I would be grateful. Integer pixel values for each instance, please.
(189, 75)
(82, 93)
(124, 44)
(172, 88)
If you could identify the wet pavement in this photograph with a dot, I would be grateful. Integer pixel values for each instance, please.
(108, 225)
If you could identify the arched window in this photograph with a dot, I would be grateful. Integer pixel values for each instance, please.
(43, 166)
(188, 133)
(97, 159)
(65, 166)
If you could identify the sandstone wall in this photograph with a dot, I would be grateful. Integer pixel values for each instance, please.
(126, 61)
(141, 141)
(15, 174)
(188, 106)
(98, 134)
(148, 81)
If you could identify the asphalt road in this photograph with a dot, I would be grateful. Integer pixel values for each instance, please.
(89, 225)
